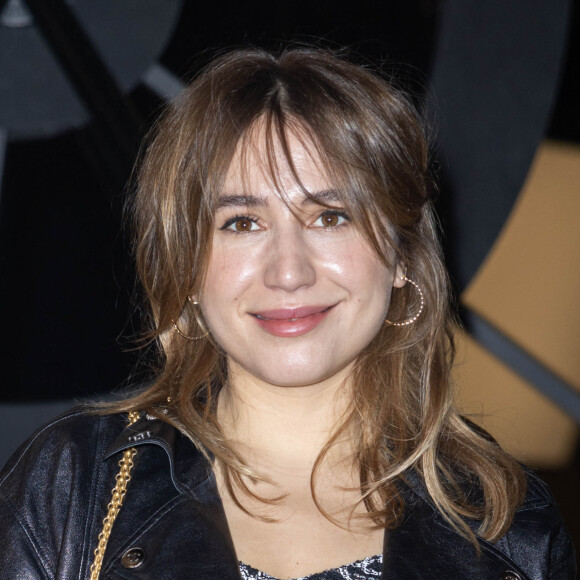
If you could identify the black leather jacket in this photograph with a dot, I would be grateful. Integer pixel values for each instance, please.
(55, 490)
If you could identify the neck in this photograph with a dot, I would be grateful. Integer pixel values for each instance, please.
(289, 425)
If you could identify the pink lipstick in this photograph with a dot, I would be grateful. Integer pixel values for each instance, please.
(290, 322)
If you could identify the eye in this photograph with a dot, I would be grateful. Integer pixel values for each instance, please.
(331, 219)
(241, 224)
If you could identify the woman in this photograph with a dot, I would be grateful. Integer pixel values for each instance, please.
(301, 420)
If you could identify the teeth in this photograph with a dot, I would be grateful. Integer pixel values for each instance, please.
(265, 318)
(288, 319)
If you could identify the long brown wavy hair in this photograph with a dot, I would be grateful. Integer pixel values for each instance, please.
(372, 144)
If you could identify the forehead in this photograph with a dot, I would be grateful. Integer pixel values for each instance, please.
(265, 163)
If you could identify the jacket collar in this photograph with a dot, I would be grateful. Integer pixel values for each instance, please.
(189, 469)
(424, 545)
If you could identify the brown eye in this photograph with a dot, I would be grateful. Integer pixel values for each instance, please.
(329, 220)
(243, 225)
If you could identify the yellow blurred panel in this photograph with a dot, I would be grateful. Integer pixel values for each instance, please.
(523, 421)
(529, 285)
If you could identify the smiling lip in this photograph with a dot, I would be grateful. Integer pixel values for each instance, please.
(289, 322)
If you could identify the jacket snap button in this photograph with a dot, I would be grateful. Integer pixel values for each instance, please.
(509, 575)
(133, 558)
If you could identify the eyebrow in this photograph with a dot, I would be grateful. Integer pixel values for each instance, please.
(240, 201)
(323, 197)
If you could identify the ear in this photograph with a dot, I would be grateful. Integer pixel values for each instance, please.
(400, 279)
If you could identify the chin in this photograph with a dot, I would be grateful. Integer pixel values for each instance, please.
(292, 377)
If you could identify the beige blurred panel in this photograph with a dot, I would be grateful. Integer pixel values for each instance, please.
(529, 285)
(523, 421)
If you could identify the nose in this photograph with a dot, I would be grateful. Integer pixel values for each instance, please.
(289, 263)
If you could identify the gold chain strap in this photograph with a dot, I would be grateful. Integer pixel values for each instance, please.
(118, 495)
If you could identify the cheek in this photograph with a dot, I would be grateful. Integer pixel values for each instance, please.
(343, 259)
(227, 273)
(379, 287)
(360, 268)
(377, 290)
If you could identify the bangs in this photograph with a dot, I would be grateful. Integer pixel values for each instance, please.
(265, 147)
(241, 113)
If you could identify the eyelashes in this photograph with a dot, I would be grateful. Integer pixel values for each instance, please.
(329, 219)
(332, 218)
(241, 224)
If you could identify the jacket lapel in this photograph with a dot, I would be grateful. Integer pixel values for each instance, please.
(179, 525)
(425, 546)
(172, 516)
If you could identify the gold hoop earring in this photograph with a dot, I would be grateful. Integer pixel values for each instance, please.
(195, 302)
(412, 319)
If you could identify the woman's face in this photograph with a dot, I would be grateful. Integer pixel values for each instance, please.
(293, 293)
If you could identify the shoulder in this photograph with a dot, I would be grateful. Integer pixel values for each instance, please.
(50, 491)
(538, 537)
(70, 438)
(59, 459)
(536, 546)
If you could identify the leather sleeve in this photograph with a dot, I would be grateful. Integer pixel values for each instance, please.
(562, 556)
(53, 493)
(538, 538)
(19, 556)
